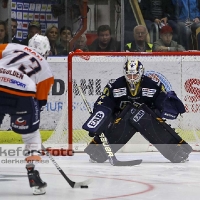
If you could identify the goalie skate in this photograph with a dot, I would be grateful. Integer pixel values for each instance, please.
(35, 181)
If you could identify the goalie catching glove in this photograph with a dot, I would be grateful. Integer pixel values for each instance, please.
(171, 106)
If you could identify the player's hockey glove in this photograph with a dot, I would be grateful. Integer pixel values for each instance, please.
(42, 104)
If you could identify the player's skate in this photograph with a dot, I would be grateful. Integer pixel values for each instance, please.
(35, 181)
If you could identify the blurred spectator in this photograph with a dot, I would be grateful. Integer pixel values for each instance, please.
(139, 43)
(105, 42)
(3, 38)
(13, 29)
(65, 37)
(165, 43)
(188, 16)
(52, 34)
(81, 43)
(33, 28)
(162, 12)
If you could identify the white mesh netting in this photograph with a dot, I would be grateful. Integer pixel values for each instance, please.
(178, 73)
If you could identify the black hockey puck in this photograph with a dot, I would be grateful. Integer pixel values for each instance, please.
(84, 186)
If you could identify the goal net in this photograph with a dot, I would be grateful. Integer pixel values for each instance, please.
(92, 71)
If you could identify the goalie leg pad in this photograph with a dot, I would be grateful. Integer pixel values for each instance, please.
(118, 134)
(176, 153)
(120, 131)
(160, 134)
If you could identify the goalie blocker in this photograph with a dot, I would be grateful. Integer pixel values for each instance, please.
(139, 118)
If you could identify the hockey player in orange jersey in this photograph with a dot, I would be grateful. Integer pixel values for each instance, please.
(25, 81)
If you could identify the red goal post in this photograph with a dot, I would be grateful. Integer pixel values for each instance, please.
(92, 70)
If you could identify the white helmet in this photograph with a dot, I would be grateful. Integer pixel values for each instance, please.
(40, 43)
(133, 71)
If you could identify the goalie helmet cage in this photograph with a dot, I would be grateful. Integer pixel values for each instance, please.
(92, 70)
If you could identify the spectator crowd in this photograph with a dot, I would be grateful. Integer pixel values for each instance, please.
(178, 22)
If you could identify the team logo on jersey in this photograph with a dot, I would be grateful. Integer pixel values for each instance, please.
(138, 116)
(20, 122)
(95, 121)
(111, 81)
(158, 77)
(119, 92)
(123, 104)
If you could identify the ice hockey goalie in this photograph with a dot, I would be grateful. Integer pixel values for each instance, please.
(136, 103)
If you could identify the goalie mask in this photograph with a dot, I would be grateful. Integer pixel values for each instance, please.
(133, 71)
(41, 44)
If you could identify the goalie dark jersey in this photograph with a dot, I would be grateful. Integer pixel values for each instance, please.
(117, 94)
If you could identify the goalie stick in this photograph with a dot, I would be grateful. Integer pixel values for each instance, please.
(106, 146)
(71, 183)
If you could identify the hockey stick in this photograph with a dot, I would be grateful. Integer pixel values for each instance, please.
(83, 184)
(106, 146)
